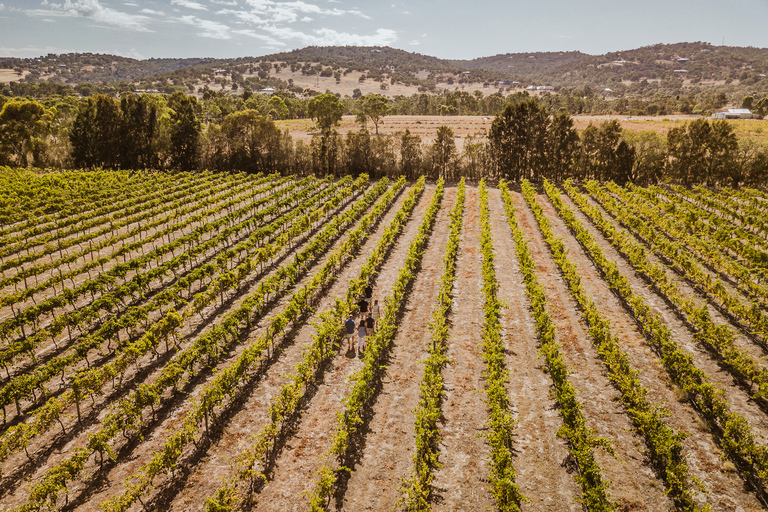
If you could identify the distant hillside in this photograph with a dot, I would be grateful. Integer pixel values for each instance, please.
(681, 61)
(671, 69)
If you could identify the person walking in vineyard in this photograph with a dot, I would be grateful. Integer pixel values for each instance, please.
(361, 336)
(362, 307)
(375, 314)
(368, 292)
(369, 324)
(349, 327)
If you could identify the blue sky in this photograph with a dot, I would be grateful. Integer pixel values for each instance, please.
(454, 29)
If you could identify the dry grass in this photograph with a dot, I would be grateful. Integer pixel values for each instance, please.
(464, 126)
(9, 75)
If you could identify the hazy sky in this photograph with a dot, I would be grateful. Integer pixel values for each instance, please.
(454, 29)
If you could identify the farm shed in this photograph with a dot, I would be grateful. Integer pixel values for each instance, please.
(733, 113)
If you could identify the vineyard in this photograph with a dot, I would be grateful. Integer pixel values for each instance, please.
(176, 342)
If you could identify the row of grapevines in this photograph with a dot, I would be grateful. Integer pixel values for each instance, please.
(203, 198)
(501, 424)
(30, 314)
(660, 228)
(757, 196)
(24, 384)
(750, 219)
(739, 201)
(227, 384)
(286, 405)
(426, 457)
(727, 237)
(732, 230)
(350, 419)
(746, 195)
(664, 443)
(719, 339)
(127, 415)
(113, 293)
(581, 439)
(147, 194)
(733, 431)
(92, 380)
(30, 197)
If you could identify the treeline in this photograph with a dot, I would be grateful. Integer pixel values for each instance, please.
(526, 141)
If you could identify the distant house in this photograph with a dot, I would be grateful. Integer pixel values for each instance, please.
(268, 90)
(733, 113)
(680, 71)
(683, 59)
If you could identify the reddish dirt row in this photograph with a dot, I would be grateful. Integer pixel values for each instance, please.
(169, 413)
(462, 481)
(724, 489)
(252, 416)
(633, 483)
(296, 466)
(543, 474)
(384, 456)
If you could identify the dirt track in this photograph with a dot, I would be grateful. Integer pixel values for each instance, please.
(383, 460)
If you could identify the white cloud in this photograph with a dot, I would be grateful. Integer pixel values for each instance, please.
(330, 37)
(270, 41)
(262, 13)
(31, 51)
(153, 12)
(208, 28)
(306, 18)
(230, 3)
(2, 7)
(414, 43)
(189, 4)
(93, 10)
(132, 53)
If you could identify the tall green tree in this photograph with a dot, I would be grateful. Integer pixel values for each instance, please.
(562, 146)
(138, 130)
(443, 154)
(82, 136)
(410, 155)
(107, 127)
(23, 127)
(326, 110)
(518, 140)
(252, 143)
(277, 109)
(723, 148)
(372, 107)
(604, 153)
(687, 149)
(185, 130)
(650, 157)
